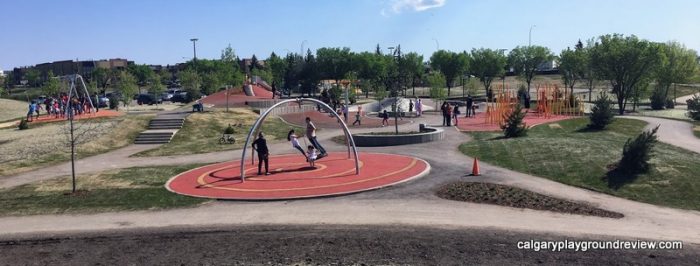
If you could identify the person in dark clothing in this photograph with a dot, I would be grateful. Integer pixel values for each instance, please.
(445, 117)
(260, 145)
(470, 102)
(410, 106)
(274, 89)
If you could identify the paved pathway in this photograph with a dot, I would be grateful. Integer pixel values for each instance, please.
(411, 203)
(674, 132)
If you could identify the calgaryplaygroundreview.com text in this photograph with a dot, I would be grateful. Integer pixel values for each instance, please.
(542, 245)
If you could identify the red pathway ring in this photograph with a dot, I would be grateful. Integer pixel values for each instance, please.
(293, 178)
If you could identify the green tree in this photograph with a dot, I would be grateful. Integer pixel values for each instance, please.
(526, 59)
(277, 67)
(451, 64)
(514, 126)
(334, 63)
(624, 61)
(9, 82)
(191, 82)
(309, 75)
(32, 77)
(486, 65)
(143, 73)
(413, 63)
(52, 86)
(156, 86)
(678, 65)
(694, 107)
(437, 91)
(589, 75)
(572, 66)
(101, 76)
(601, 113)
(127, 87)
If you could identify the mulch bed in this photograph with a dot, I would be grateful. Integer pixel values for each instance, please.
(515, 197)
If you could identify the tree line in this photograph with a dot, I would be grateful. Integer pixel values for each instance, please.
(628, 64)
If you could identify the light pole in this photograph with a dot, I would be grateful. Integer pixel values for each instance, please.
(194, 47)
(227, 87)
(529, 35)
(437, 44)
(301, 52)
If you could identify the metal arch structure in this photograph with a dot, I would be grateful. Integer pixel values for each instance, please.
(348, 137)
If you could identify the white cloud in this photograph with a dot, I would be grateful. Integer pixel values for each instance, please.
(397, 6)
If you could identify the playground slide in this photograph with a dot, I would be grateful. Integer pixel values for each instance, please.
(248, 90)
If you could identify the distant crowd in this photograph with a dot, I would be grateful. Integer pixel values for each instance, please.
(57, 107)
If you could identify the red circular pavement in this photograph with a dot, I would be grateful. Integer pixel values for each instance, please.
(292, 177)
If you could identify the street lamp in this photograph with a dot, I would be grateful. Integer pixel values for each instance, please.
(529, 35)
(301, 52)
(437, 44)
(194, 47)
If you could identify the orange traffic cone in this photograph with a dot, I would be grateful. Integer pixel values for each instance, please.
(475, 168)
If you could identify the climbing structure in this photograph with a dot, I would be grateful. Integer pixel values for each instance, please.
(551, 100)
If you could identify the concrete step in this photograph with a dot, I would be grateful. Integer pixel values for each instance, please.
(151, 142)
(165, 127)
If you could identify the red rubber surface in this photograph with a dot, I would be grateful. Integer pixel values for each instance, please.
(237, 99)
(478, 123)
(52, 118)
(292, 177)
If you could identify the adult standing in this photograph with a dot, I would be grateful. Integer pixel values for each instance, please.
(260, 145)
(311, 135)
(410, 106)
(419, 107)
(274, 89)
(344, 108)
(445, 117)
(448, 114)
(470, 102)
(455, 114)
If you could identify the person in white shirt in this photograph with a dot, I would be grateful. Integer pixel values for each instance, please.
(311, 156)
(291, 136)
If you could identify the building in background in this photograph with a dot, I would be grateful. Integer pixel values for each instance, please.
(69, 67)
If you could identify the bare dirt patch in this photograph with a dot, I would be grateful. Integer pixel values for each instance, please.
(518, 198)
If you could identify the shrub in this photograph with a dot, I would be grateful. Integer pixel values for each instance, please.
(670, 104)
(637, 152)
(694, 107)
(229, 130)
(657, 99)
(601, 113)
(514, 126)
(23, 124)
(113, 101)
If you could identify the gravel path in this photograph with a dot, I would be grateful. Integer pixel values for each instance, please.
(412, 203)
(674, 132)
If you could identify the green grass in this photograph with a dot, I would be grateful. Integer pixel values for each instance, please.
(118, 190)
(201, 133)
(577, 157)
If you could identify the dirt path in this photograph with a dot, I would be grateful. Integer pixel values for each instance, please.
(411, 203)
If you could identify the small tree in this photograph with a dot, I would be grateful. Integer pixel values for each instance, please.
(437, 92)
(127, 87)
(658, 99)
(52, 85)
(694, 107)
(637, 152)
(514, 126)
(157, 87)
(601, 113)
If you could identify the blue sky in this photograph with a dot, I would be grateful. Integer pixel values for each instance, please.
(158, 32)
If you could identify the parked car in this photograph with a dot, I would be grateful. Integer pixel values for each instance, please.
(102, 101)
(180, 97)
(147, 99)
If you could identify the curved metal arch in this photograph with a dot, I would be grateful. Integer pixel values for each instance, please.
(348, 137)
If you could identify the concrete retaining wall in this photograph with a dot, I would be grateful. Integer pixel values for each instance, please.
(427, 134)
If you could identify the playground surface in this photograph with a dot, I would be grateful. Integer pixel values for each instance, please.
(237, 98)
(51, 118)
(292, 177)
(479, 123)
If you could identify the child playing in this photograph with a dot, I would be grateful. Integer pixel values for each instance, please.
(311, 155)
(385, 118)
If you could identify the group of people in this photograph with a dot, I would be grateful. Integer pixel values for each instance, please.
(314, 151)
(57, 106)
(450, 112)
(418, 105)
